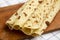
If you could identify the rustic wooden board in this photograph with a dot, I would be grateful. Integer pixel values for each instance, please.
(7, 34)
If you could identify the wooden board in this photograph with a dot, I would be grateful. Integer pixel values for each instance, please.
(7, 34)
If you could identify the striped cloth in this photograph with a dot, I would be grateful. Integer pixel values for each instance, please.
(50, 36)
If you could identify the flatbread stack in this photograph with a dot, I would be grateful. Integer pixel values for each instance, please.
(22, 15)
(34, 16)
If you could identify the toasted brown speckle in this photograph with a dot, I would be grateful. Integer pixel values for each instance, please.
(53, 7)
(55, 0)
(33, 16)
(44, 10)
(40, 13)
(47, 23)
(47, 3)
(25, 14)
(43, 29)
(32, 1)
(28, 19)
(20, 28)
(40, 18)
(46, 15)
(40, 1)
(29, 7)
(35, 8)
(19, 17)
(36, 21)
(29, 26)
(30, 4)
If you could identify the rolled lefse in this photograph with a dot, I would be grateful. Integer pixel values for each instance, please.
(13, 18)
(26, 13)
(23, 13)
(45, 11)
(35, 20)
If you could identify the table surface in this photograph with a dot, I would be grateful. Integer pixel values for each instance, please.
(49, 36)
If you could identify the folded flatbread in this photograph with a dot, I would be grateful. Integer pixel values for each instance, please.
(22, 15)
(35, 17)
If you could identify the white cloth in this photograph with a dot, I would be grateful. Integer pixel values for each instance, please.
(50, 36)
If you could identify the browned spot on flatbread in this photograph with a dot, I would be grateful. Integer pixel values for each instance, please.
(43, 29)
(25, 14)
(52, 7)
(29, 26)
(55, 0)
(47, 23)
(30, 4)
(28, 19)
(35, 8)
(44, 10)
(46, 15)
(40, 13)
(18, 17)
(40, 1)
(32, 1)
(47, 3)
(36, 21)
(40, 18)
(29, 7)
(33, 16)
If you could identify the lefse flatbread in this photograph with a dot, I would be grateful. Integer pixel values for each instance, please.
(42, 17)
(35, 16)
(49, 18)
(21, 16)
(26, 13)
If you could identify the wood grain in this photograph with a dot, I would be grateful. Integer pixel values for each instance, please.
(7, 34)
